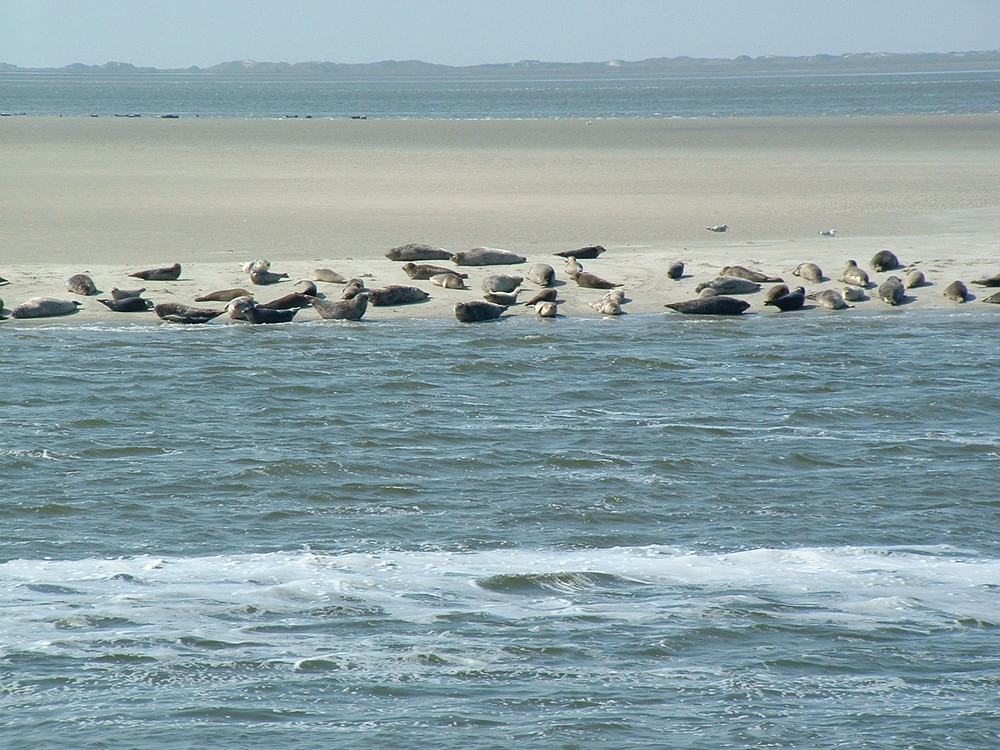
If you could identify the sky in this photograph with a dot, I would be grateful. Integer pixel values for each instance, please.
(183, 33)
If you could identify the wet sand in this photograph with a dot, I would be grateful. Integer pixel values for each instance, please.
(107, 196)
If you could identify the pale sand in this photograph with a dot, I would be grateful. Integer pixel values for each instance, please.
(106, 196)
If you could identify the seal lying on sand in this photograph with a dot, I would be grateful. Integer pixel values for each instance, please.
(729, 285)
(81, 283)
(573, 268)
(747, 273)
(175, 312)
(328, 275)
(262, 276)
(501, 298)
(353, 289)
(583, 253)
(129, 304)
(416, 251)
(542, 274)
(544, 295)
(593, 281)
(352, 309)
(486, 256)
(717, 305)
(476, 310)
(791, 301)
(914, 279)
(607, 307)
(675, 270)
(853, 293)
(501, 282)
(993, 298)
(957, 291)
(718, 228)
(884, 260)
(424, 271)
(166, 273)
(244, 308)
(44, 307)
(809, 272)
(294, 299)
(546, 309)
(448, 281)
(396, 294)
(224, 295)
(855, 275)
(891, 291)
(117, 293)
(308, 287)
(993, 280)
(780, 290)
(830, 299)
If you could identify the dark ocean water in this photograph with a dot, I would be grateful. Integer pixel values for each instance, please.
(793, 95)
(653, 531)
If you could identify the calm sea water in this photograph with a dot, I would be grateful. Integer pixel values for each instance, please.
(968, 92)
(654, 531)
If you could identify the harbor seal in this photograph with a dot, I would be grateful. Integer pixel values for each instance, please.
(607, 307)
(729, 285)
(618, 295)
(486, 256)
(248, 310)
(718, 228)
(448, 281)
(884, 260)
(129, 304)
(809, 272)
(853, 293)
(424, 271)
(544, 295)
(957, 291)
(855, 275)
(914, 279)
(164, 273)
(417, 251)
(82, 284)
(573, 268)
(329, 276)
(716, 305)
(546, 309)
(830, 299)
(501, 298)
(593, 281)
(542, 274)
(794, 300)
(287, 302)
(353, 289)
(224, 295)
(742, 272)
(675, 270)
(501, 282)
(308, 287)
(117, 293)
(477, 310)
(263, 277)
(891, 291)
(993, 280)
(779, 290)
(993, 298)
(44, 307)
(828, 233)
(592, 251)
(352, 309)
(176, 312)
(396, 294)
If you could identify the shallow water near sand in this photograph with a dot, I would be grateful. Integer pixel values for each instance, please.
(656, 530)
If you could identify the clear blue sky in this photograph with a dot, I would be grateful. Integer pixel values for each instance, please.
(181, 33)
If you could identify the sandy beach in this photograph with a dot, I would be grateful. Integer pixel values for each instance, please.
(108, 196)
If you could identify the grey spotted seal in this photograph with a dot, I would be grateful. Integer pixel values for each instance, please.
(573, 268)
(417, 251)
(396, 294)
(263, 277)
(176, 312)
(993, 280)
(129, 304)
(591, 251)
(891, 291)
(259, 264)
(546, 309)
(993, 298)
(675, 270)
(423, 271)
(44, 307)
(542, 274)
(794, 300)
(224, 295)
(779, 290)
(353, 289)
(82, 284)
(287, 302)
(748, 273)
(248, 310)
(501, 298)
(830, 299)
(486, 256)
(914, 279)
(957, 291)
(853, 293)
(729, 285)
(607, 307)
(616, 295)
(477, 310)
(329, 276)
(717, 305)
(855, 275)
(352, 309)
(117, 293)
(448, 281)
(164, 273)
(884, 260)
(544, 295)
(809, 272)
(593, 281)
(501, 282)
(718, 228)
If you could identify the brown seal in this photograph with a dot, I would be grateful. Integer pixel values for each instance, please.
(544, 295)
(501, 298)
(353, 289)
(424, 271)
(417, 251)
(287, 302)
(779, 290)
(957, 291)
(583, 253)
(717, 305)
(884, 260)
(593, 281)
(82, 284)
(165, 273)
(750, 274)
(328, 275)
(262, 276)
(477, 310)
(224, 295)
(794, 300)
(809, 272)
(396, 294)
(448, 281)
(993, 280)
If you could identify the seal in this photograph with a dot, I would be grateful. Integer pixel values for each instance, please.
(993, 298)
(117, 293)
(573, 268)
(809, 272)
(477, 310)
(501, 298)
(353, 289)
(884, 260)
(396, 294)
(616, 295)
(591, 251)
(718, 228)
(417, 251)
(129, 304)
(914, 279)
(44, 307)
(262, 276)
(251, 312)
(287, 302)
(891, 291)
(500, 282)
(993, 280)
(729, 285)
(828, 233)
(165, 273)
(352, 309)
(308, 287)
(708, 292)
(448, 281)
(957, 291)
(741, 272)
(224, 295)
(175, 312)
(486, 256)
(794, 300)
(546, 309)
(675, 270)
(607, 307)
(544, 295)
(82, 284)
(717, 305)
(853, 293)
(854, 275)
(780, 290)
(593, 281)
(542, 274)
(830, 299)
(424, 271)
(259, 264)
(328, 275)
